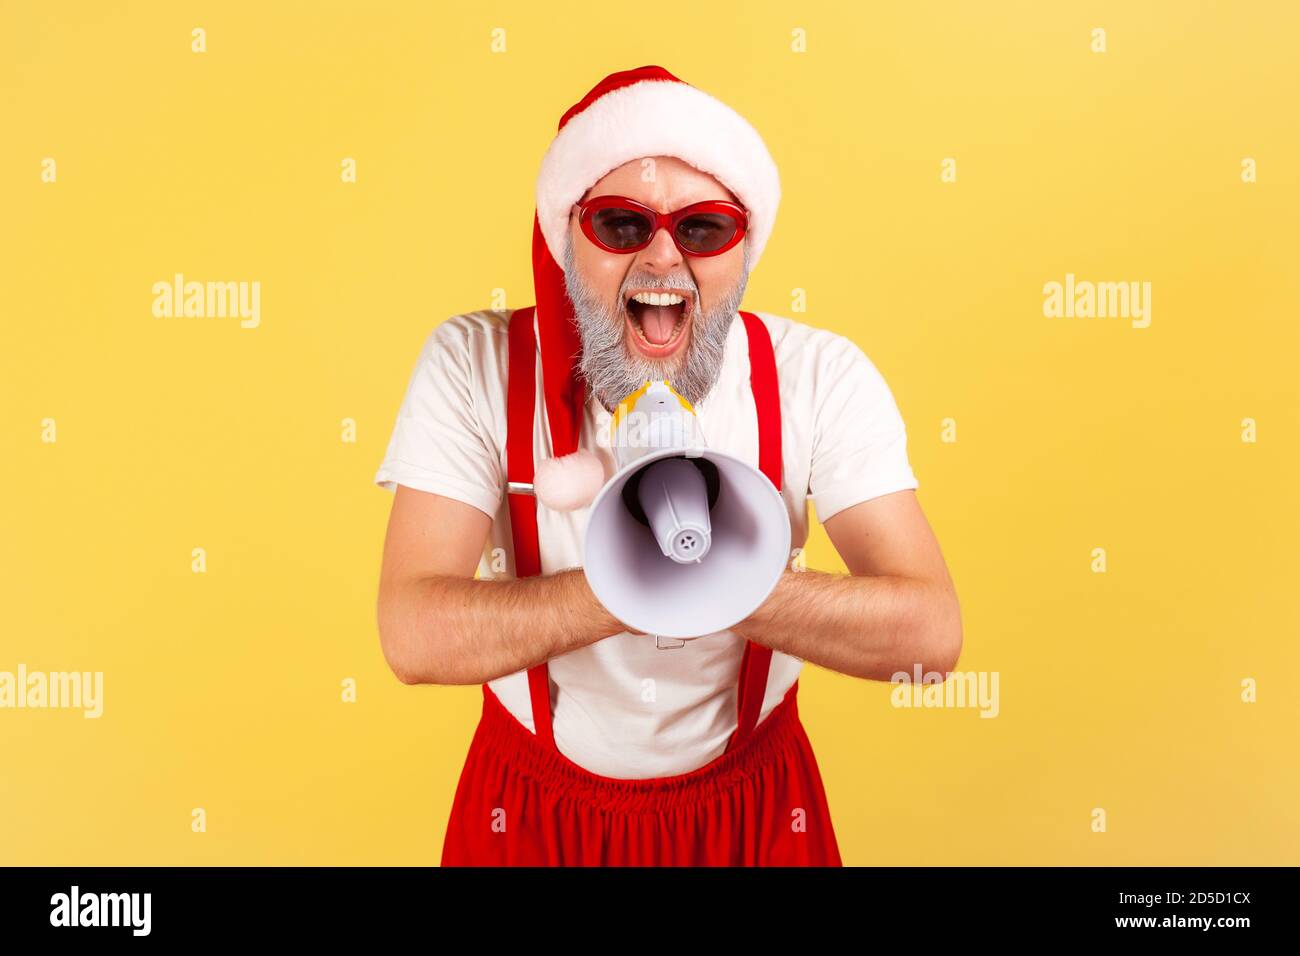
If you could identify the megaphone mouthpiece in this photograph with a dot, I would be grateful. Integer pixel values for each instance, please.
(675, 500)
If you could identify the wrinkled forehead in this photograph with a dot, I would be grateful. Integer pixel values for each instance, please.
(664, 182)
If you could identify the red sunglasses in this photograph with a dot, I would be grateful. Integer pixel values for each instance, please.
(619, 224)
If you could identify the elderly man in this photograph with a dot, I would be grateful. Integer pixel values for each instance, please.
(599, 744)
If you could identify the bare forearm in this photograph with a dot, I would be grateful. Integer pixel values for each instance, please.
(869, 627)
(456, 630)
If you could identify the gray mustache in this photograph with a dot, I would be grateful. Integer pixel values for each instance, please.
(658, 282)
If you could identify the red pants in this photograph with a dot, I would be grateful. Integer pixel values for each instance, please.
(520, 803)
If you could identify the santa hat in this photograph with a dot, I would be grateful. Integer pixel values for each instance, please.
(627, 116)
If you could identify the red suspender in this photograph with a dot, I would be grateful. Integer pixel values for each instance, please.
(757, 659)
(520, 412)
(520, 404)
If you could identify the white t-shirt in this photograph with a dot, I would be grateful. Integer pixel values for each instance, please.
(623, 706)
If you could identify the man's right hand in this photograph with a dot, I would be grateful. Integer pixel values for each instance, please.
(438, 625)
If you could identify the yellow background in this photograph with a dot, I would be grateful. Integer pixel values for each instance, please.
(222, 690)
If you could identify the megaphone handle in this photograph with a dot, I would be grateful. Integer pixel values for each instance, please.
(669, 643)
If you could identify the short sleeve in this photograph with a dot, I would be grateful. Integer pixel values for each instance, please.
(859, 449)
(438, 443)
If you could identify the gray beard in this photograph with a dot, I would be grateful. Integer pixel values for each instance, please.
(613, 371)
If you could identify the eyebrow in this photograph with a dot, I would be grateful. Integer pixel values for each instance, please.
(728, 197)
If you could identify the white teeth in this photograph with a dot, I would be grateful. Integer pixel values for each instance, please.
(658, 298)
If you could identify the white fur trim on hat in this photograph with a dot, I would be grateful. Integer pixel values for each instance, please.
(657, 118)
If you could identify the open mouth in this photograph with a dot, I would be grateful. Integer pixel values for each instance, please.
(659, 319)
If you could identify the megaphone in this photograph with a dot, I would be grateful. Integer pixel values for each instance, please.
(683, 540)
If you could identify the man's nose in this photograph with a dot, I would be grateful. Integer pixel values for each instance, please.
(662, 255)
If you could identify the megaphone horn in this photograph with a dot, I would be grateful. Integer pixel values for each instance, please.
(683, 540)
